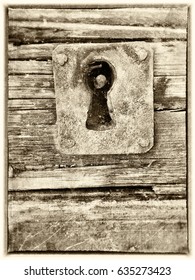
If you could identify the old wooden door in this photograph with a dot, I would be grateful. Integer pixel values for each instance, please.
(132, 203)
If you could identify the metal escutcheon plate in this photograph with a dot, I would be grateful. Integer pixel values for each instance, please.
(129, 100)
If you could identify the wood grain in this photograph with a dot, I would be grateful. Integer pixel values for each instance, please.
(31, 104)
(36, 32)
(58, 25)
(169, 59)
(62, 221)
(166, 17)
(169, 92)
(30, 117)
(34, 79)
(33, 148)
(101, 203)
(163, 51)
(145, 172)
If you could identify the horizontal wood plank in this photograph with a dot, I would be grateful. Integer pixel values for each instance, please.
(33, 148)
(36, 32)
(31, 104)
(170, 92)
(169, 134)
(30, 117)
(54, 25)
(61, 221)
(169, 59)
(167, 17)
(147, 172)
(163, 51)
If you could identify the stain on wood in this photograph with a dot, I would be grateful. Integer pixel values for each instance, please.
(125, 203)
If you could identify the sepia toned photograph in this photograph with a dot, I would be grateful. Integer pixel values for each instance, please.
(97, 129)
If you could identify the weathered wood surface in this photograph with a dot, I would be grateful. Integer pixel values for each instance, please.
(117, 221)
(169, 135)
(35, 92)
(174, 67)
(167, 17)
(37, 32)
(142, 173)
(31, 104)
(108, 203)
(123, 23)
(42, 86)
(165, 53)
(30, 117)
(169, 59)
(169, 80)
(32, 148)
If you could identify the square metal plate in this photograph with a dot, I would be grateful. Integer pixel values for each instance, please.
(129, 98)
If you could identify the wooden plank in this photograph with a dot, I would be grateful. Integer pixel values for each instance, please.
(36, 32)
(176, 191)
(169, 59)
(169, 92)
(156, 172)
(30, 67)
(31, 104)
(172, 68)
(32, 51)
(30, 82)
(61, 221)
(162, 50)
(167, 17)
(42, 86)
(44, 92)
(30, 117)
(33, 148)
(169, 135)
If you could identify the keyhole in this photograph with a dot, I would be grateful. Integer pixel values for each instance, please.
(99, 78)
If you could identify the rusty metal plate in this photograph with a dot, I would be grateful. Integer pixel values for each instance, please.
(104, 98)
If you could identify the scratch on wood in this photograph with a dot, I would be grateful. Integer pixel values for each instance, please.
(32, 236)
(36, 247)
(74, 245)
(150, 163)
(152, 236)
